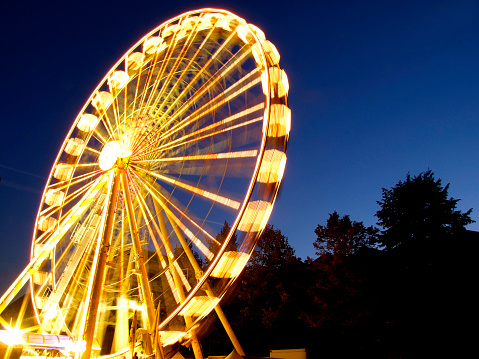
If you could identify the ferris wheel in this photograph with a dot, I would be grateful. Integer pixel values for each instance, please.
(162, 186)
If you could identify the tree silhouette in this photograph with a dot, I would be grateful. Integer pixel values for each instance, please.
(342, 237)
(221, 237)
(419, 210)
(337, 284)
(421, 232)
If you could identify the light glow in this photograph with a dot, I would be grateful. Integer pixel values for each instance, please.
(87, 122)
(280, 121)
(74, 146)
(255, 216)
(272, 167)
(199, 306)
(102, 100)
(54, 197)
(118, 80)
(153, 44)
(170, 337)
(46, 224)
(11, 336)
(51, 313)
(134, 61)
(230, 265)
(63, 172)
(109, 155)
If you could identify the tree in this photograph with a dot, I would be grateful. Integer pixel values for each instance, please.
(268, 277)
(341, 237)
(220, 239)
(337, 288)
(422, 233)
(419, 210)
(272, 250)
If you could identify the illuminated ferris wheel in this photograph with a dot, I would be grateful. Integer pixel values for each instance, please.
(186, 132)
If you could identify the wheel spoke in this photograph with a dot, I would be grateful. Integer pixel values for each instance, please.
(136, 241)
(205, 109)
(211, 156)
(204, 193)
(175, 221)
(173, 266)
(199, 134)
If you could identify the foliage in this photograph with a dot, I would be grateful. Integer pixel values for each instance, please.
(269, 280)
(342, 237)
(419, 209)
(221, 237)
(337, 286)
(272, 250)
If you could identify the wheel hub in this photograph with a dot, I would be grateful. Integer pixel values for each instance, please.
(112, 154)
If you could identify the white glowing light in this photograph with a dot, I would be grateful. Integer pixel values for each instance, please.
(11, 336)
(124, 153)
(80, 346)
(133, 305)
(136, 306)
(108, 155)
(51, 313)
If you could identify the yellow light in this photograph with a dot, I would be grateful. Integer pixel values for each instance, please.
(278, 80)
(63, 171)
(118, 79)
(280, 121)
(110, 153)
(74, 146)
(272, 52)
(47, 224)
(132, 304)
(199, 306)
(87, 122)
(135, 60)
(54, 197)
(102, 100)
(230, 265)
(153, 44)
(255, 216)
(272, 168)
(170, 337)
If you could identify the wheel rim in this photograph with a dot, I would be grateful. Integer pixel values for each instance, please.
(191, 125)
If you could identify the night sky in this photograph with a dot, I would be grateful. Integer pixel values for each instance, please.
(377, 89)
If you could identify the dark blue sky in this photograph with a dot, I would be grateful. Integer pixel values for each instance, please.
(377, 89)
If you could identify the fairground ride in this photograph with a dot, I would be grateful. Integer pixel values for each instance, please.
(187, 131)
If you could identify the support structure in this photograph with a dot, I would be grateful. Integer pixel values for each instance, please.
(145, 286)
(229, 330)
(99, 275)
(209, 292)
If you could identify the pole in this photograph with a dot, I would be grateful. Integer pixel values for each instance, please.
(99, 277)
(137, 245)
